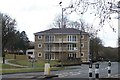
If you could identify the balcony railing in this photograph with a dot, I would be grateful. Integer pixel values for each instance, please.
(59, 41)
(59, 49)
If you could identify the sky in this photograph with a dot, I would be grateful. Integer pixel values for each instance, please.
(37, 15)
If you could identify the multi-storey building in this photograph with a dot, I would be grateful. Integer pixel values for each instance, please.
(62, 43)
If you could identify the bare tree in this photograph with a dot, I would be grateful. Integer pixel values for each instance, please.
(58, 21)
(101, 9)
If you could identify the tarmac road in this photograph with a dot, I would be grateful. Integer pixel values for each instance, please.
(72, 72)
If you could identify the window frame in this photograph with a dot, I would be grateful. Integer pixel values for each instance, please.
(83, 54)
(82, 36)
(71, 38)
(39, 46)
(50, 38)
(52, 56)
(71, 55)
(39, 53)
(39, 37)
(82, 44)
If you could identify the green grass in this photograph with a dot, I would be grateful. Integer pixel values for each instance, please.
(38, 63)
(27, 70)
(6, 66)
(22, 60)
(22, 70)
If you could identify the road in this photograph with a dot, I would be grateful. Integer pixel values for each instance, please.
(73, 72)
(82, 71)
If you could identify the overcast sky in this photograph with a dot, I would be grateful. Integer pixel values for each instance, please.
(36, 15)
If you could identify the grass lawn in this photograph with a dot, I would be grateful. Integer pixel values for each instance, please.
(36, 64)
(17, 70)
(21, 70)
(6, 66)
(22, 60)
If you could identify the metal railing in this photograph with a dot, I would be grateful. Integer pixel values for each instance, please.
(59, 41)
(59, 49)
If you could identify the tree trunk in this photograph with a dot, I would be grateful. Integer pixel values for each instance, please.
(3, 55)
(14, 55)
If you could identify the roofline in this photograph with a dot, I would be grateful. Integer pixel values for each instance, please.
(57, 33)
(39, 33)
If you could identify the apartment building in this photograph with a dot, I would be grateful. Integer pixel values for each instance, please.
(62, 43)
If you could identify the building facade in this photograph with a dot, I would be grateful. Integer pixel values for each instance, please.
(62, 44)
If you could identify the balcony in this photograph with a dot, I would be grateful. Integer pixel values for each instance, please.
(60, 41)
(59, 49)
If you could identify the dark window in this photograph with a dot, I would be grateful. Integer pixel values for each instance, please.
(49, 38)
(50, 56)
(39, 37)
(82, 45)
(39, 45)
(82, 36)
(82, 54)
(30, 52)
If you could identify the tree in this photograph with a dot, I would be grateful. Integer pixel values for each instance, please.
(96, 48)
(24, 41)
(12, 40)
(110, 54)
(58, 21)
(100, 9)
(80, 24)
(8, 28)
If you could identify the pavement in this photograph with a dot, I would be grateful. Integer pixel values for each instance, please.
(22, 67)
(7, 62)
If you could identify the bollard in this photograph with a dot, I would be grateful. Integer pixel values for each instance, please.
(47, 69)
(97, 70)
(90, 70)
(109, 70)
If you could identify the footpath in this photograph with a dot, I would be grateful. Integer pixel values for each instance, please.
(7, 62)
(21, 66)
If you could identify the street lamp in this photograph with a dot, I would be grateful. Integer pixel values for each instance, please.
(62, 26)
(64, 9)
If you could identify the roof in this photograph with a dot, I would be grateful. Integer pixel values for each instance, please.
(60, 31)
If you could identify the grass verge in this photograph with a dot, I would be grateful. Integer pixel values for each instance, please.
(6, 66)
(7, 71)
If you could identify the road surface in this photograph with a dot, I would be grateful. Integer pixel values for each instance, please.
(73, 72)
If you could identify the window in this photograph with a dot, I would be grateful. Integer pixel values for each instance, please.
(82, 36)
(39, 37)
(72, 38)
(39, 45)
(82, 54)
(82, 45)
(48, 47)
(71, 55)
(49, 38)
(30, 53)
(39, 54)
(49, 56)
(71, 46)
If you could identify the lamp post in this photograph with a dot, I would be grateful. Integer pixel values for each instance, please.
(62, 39)
(80, 40)
(62, 26)
(1, 34)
